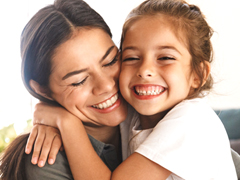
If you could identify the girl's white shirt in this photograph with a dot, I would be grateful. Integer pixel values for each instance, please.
(190, 141)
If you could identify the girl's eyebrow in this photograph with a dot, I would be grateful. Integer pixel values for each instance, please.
(158, 47)
(83, 70)
(169, 47)
(129, 48)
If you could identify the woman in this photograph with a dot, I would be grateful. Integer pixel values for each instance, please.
(63, 46)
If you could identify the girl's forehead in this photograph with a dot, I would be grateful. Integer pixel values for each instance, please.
(164, 21)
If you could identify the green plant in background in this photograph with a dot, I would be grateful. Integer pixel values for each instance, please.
(7, 134)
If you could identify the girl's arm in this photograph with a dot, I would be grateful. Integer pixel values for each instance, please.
(139, 167)
(83, 160)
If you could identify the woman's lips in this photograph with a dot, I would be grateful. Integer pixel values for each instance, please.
(108, 105)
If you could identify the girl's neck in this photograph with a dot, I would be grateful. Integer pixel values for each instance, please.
(151, 121)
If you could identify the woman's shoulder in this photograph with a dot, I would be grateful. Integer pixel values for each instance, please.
(59, 170)
(14, 159)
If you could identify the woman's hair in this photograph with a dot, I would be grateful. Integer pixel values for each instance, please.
(12, 162)
(189, 25)
(50, 27)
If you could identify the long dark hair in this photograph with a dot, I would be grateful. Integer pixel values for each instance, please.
(48, 28)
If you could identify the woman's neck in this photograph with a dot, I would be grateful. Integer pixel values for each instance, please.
(105, 134)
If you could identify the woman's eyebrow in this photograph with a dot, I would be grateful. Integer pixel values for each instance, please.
(73, 73)
(107, 53)
(83, 70)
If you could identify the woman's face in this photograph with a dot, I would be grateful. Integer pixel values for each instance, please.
(84, 78)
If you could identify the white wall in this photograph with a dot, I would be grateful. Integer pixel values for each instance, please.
(223, 16)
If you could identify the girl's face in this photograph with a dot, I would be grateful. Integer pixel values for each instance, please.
(156, 71)
(84, 78)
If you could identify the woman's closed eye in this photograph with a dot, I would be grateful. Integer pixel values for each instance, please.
(80, 83)
(115, 59)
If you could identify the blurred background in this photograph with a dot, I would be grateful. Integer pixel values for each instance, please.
(16, 104)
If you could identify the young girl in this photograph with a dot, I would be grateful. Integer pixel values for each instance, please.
(166, 56)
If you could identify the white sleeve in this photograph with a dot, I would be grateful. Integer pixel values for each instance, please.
(191, 142)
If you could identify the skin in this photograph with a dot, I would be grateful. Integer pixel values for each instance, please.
(79, 81)
(154, 60)
(89, 79)
(144, 65)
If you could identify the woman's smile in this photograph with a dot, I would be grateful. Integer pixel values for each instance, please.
(86, 83)
(108, 105)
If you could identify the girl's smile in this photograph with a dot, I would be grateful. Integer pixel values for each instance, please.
(147, 91)
(156, 67)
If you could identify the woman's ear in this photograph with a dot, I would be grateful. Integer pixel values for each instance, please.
(43, 91)
(206, 68)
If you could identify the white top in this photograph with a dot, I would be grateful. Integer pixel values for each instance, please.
(190, 141)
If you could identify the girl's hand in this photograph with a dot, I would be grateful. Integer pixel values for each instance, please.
(48, 114)
(47, 144)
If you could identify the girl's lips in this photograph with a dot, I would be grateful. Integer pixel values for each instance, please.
(148, 91)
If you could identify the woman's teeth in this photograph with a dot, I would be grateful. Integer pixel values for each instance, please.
(107, 103)
(151, 91)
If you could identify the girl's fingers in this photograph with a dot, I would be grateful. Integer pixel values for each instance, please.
(45, 149)
(56, 146)
(38, 145)
(50, 146)
(31, 140)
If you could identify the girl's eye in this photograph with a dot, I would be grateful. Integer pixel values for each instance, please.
(130, 59)
(79, 83)
(112, 62)
(166, 58)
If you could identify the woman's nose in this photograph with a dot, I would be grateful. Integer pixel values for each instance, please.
(104, 84)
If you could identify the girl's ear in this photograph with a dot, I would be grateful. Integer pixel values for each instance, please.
(206, 68)
(43, 91)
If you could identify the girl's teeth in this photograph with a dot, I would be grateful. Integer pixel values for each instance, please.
(151, 91)
(107, 103)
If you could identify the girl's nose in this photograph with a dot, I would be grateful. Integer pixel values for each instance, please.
(146, 69)
(103, 84)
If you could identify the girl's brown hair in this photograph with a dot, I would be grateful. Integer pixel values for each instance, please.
(189, 25)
